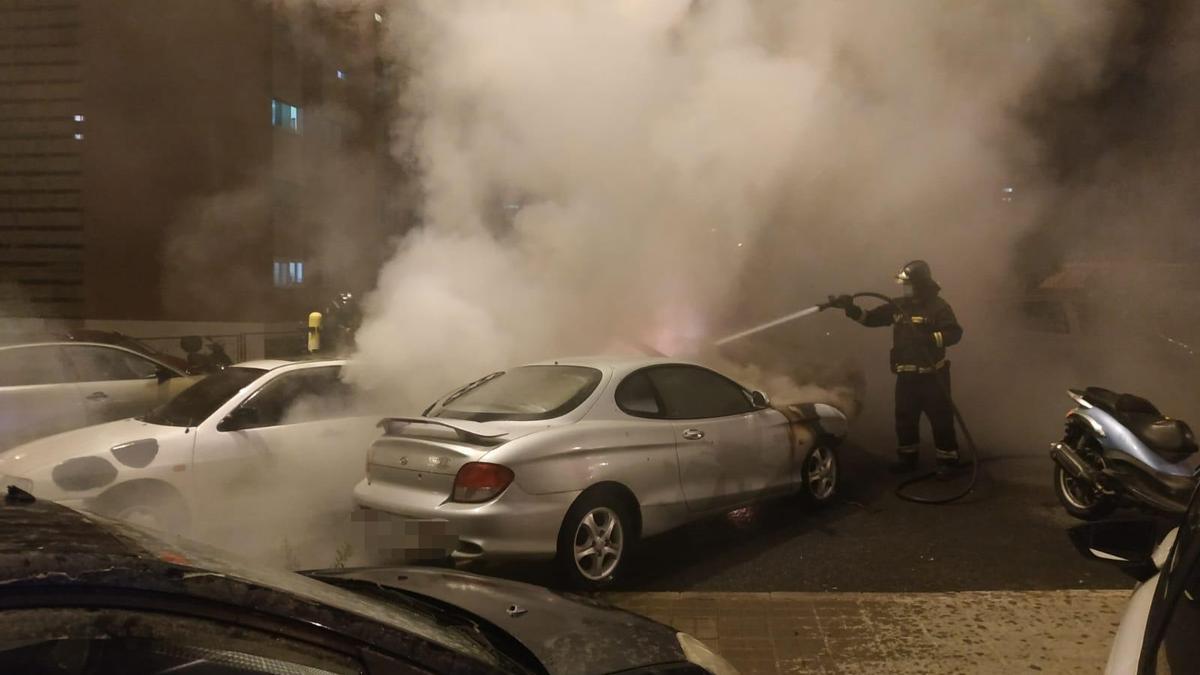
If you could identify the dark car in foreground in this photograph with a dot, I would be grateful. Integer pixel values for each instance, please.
(83, 594)
(1159, 630)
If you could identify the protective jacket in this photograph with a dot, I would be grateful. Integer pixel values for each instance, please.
(923, 327)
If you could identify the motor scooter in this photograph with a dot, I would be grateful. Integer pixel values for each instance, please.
(1120, 450)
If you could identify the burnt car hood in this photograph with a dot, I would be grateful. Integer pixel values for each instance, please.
(569, 634)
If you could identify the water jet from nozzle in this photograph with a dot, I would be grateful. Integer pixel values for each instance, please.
(770, 324)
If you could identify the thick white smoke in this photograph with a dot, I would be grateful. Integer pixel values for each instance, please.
(604, 172)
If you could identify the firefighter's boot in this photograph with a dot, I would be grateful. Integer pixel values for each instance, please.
(906, 460)
(947, 464)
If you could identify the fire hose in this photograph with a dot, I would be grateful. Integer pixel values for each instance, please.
(904, 319)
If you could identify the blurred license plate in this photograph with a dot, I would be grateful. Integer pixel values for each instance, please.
(397, 537)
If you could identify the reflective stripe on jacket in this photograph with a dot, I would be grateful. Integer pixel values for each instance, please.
(919, 343)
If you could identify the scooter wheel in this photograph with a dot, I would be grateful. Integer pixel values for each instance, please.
(1080, 500)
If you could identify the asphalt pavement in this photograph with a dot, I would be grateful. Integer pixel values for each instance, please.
(1010, 533)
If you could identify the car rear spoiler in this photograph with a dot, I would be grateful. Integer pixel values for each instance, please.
(472, 432)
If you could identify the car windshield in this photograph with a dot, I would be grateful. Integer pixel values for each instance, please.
(194, 404)
(526, 393)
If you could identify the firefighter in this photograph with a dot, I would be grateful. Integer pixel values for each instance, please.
(923, 327)
(337, 326)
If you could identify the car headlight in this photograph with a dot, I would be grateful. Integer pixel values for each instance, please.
(700, 655)
(22, 483)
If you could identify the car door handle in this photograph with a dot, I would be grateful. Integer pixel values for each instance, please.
(693, 434)
(97, 396)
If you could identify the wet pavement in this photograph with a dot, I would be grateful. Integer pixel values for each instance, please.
(874, 584)
(1009, 534)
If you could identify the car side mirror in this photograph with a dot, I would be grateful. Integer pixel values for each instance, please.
(759, 399)
(164, 374)
(1128, 544)
(241, 418)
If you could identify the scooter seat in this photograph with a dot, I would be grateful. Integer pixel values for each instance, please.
(1120, 405)
(1171, 439)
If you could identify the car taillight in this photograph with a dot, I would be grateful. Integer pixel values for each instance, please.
(479, 481)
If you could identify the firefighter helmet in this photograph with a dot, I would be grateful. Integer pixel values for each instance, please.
(916, 273)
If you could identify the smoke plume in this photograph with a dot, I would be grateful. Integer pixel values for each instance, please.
(605, 172)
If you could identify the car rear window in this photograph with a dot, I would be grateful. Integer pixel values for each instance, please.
(526, 393)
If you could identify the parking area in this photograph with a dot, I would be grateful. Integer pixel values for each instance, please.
(1009, 534)
(874, 584)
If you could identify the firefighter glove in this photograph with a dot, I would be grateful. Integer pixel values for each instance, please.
(843, 302)
(846, 304)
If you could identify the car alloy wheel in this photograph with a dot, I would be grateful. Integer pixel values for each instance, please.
(598, 543)
(820, 473)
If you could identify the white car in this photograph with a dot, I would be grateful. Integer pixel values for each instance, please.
(49, 387)
(243, 428)
(1160, 627)
(579, 458)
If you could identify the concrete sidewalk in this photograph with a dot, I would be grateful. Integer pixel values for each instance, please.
(1056, 632)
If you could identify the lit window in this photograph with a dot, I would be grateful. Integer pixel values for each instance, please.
(341, 74)
(285, 116)
(79, 137)
(289, 273)
(79, 118)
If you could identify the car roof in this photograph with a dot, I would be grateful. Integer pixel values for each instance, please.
(618, 364)
(83, 343)
(59, 342)
(272, 364)
(24, 339)
(47, 546)
(54, 342)
(77, 343)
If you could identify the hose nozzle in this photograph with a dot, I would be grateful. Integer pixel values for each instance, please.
(835, 301)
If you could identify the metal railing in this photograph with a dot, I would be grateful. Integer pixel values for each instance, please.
(274, 344)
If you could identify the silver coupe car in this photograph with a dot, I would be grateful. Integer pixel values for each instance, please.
(577, 459)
